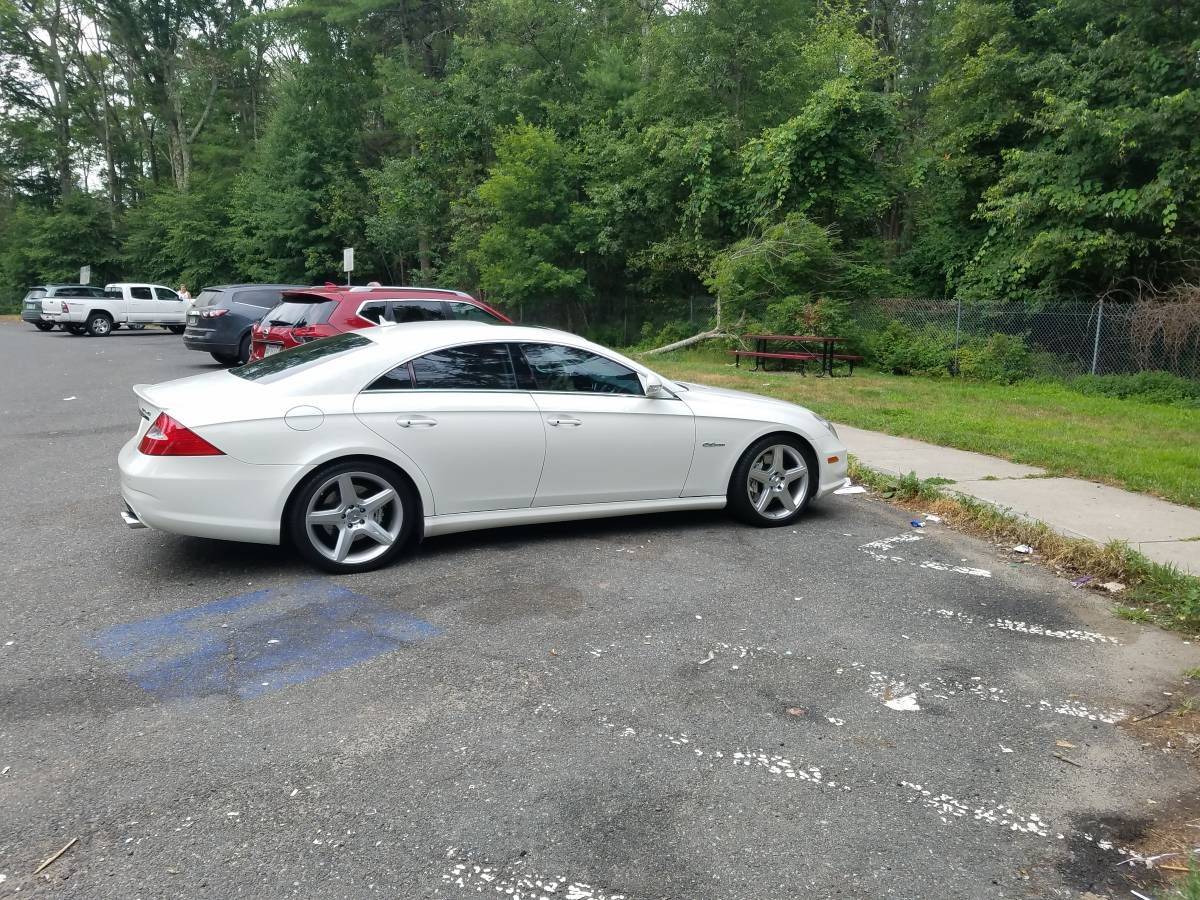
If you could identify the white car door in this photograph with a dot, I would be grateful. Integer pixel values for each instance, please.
(606, 440)
(460, 416)
(140, 302)
(170, 307)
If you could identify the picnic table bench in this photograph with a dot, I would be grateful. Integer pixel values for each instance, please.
(824, 354)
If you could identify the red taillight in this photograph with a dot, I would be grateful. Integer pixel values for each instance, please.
(166, 437)
(65, 308)
(212, 313)
(307, 333)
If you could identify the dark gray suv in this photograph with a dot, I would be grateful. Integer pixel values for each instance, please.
(220, 318)
(31, 306)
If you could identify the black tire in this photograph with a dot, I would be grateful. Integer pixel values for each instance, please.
(322, 492)
(785, 500)
(99, 324)
(75, 329)
(243, 354)
(44, 326)
(176, 329)
(225, 359)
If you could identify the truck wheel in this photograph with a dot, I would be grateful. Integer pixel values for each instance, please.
(44, 326)
(176, 329)
(75, 329)
(99, 324)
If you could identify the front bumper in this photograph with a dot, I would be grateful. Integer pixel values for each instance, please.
(215, 497)
(833, 474)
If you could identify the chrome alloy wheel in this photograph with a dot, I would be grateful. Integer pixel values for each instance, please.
(777, 481)
(354, 517)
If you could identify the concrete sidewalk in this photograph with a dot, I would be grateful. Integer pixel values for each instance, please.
(1164, 532)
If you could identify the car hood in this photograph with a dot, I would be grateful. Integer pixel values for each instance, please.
(704, 391)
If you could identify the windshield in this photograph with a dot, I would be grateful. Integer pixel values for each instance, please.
(35, 294)
(293, 313)
(281, 365)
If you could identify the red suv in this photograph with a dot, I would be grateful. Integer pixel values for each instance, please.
(314, 313)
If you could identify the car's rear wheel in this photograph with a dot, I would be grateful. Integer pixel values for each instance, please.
(773, 481)
(243, 355)
(44, 326)
(225, 359)
(353, 516)
(99, 325)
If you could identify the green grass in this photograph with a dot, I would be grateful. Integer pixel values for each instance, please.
(1147, 447)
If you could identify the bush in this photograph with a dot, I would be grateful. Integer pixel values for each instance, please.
(1149, 387)
(802, 314)
(903, 350)
(1002, 358)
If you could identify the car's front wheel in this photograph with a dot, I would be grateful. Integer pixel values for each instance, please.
(353, 516)
(773, 481)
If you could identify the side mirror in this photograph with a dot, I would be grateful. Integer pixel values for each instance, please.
(655, 389)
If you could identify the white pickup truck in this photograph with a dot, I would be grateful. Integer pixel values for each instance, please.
(123, 303)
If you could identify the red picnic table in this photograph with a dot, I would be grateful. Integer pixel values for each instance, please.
(783, 352)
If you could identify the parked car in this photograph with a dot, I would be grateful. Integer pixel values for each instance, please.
(123, 303)
(221, 317)
(37, 298)
(352, 446)
(314, 313)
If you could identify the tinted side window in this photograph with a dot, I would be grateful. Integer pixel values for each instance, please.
(274, 368)
(140, 293)
(166, 294)
(399, 379)
(470, 312)
(261, 299)
(558, 368)
(92, 292)
(475, 367)
(418, 311)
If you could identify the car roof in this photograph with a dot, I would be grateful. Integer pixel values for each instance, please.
(421, 335)
(234, 287)
(342, 294)
(115, 284)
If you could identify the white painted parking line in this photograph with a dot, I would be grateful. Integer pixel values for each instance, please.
(1063, 634)
(508, 882)
(881, 550)
(774, 763)
(948, 808)
(897, 692)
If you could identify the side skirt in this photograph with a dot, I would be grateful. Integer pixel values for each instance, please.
(537, 515)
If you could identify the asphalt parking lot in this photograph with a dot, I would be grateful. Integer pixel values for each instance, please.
(667, 707)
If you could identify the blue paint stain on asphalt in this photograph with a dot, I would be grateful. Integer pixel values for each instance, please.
(257, 643)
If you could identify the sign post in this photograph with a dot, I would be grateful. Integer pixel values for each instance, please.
(348, 263)
(85, 274)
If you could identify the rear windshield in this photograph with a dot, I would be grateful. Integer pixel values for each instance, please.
(297, 312)
(280, 365)
(35, 294)
(207, 298)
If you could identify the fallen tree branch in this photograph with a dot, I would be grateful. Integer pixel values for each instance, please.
(687, 342)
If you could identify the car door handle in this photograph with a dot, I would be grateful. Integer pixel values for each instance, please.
(416, 422)
(563, 420)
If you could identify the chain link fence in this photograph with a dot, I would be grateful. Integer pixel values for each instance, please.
(1068, 339)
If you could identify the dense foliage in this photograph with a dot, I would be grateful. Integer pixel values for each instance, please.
(612, 166)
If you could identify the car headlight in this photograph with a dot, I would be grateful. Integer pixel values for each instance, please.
(828, 425)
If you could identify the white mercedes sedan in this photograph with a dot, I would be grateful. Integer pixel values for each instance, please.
(352, 447)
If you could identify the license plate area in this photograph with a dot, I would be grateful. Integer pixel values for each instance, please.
(272, 349)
